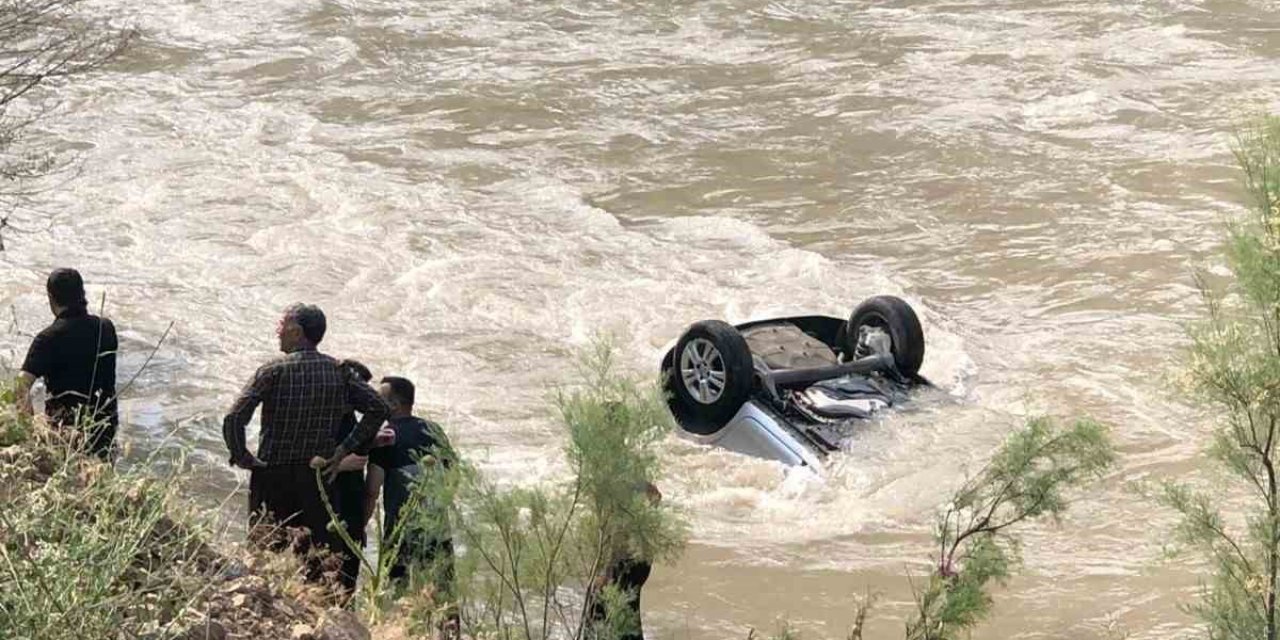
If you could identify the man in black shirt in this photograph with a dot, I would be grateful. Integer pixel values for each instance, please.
(76, 357)
(420, 447)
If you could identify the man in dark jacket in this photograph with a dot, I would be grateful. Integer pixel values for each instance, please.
(76, 357)
(304, 396)
(420, 449)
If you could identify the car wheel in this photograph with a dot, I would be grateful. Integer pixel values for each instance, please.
(892, 316)
(710, 376)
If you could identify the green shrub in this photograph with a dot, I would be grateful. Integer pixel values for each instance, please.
(528, 557)
(1234, 366)
(1025, 480)
(89, 552)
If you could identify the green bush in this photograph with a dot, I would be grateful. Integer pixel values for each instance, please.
(528, 557)
(89, 552)
(1234, 366)
(1025, 480)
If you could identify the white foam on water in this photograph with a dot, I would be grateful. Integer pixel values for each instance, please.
(473, 191)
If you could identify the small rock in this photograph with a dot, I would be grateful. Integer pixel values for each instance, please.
(302, 632)
(232, 570)
(340, 624)
(255, 586)
(239, 600)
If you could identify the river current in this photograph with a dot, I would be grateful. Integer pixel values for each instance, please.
(473, 189)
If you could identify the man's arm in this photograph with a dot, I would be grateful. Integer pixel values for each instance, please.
(373, 412)
(22, 391)
(372, 487)
(38, 364)
(104, 367)
(108, 356)
(241, 413)
(353, 462)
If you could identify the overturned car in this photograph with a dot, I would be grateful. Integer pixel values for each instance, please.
(792, 389)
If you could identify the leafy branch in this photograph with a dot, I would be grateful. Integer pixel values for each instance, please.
(1025, 480)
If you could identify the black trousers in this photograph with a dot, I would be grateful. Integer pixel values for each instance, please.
(433, 555)
(629, 576)
(102, 439)
(97, 433)
(286, 511)
(348, 488)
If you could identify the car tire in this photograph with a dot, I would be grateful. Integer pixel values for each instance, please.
(710, 376)
(899, 320)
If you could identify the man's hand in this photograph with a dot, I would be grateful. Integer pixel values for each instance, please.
(386, 437)
(250, 462)
(352, 462)
(329, 467)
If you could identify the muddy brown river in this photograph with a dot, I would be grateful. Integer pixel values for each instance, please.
(472, 189)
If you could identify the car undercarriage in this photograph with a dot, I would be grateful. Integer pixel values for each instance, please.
(793, 389)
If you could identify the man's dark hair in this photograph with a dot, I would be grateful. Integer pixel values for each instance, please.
(66, 288)
(401, 389)
(357, 369)
(311, 319)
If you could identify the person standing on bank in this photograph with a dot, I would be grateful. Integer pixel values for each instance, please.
(304, 396)
(348, 485)
(76, 357)
(627, 572)
(393, 471)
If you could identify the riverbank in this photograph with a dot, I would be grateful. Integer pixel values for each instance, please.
(94, 552)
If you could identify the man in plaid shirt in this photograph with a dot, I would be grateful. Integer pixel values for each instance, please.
(304, 395)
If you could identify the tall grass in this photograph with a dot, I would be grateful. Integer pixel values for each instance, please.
(87, 551)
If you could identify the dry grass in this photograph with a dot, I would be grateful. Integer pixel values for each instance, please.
(87, 551)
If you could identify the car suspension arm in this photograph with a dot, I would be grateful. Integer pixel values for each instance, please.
(792, 378)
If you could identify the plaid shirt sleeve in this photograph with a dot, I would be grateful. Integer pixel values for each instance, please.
(373, 412)
(242, 411)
